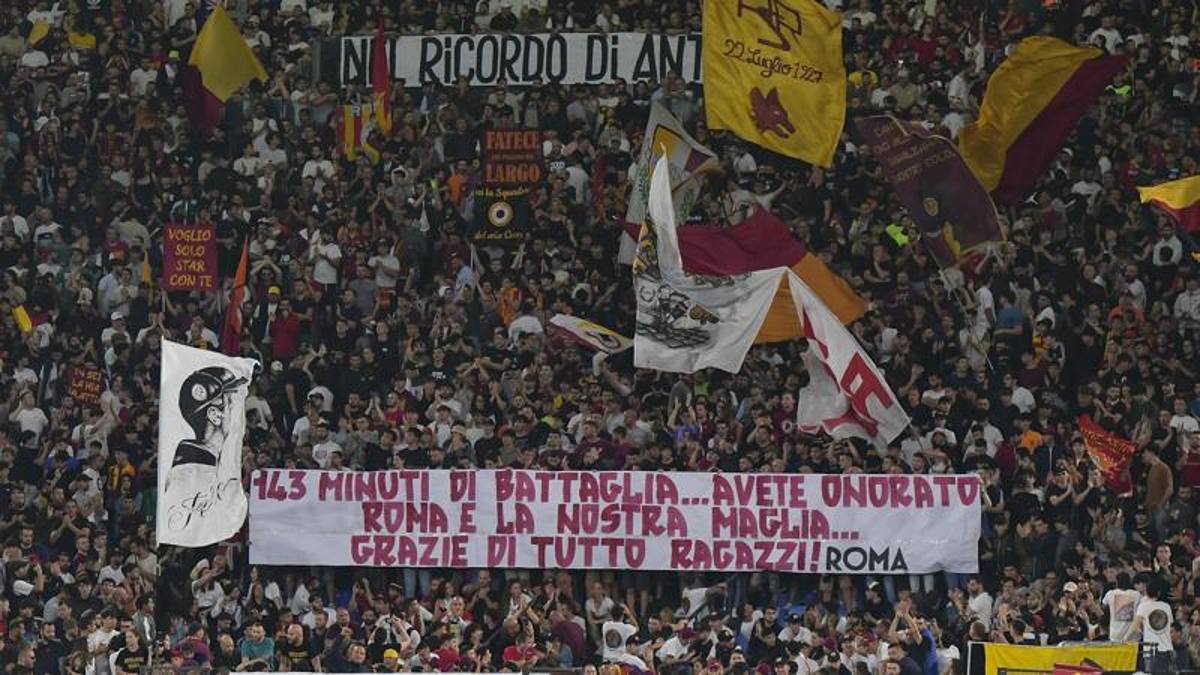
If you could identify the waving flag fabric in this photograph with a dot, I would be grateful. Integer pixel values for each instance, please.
(353, 124)
(933, 183)
(231, 333)
(381, 80)
(225, 61)
(847, 396)
(686, 322)
(1179, 199)
(689, 160)
(591, 335)
(1111, 453)
(221, 63)
(689, 322)
(773, 74)
(201, 425)
(759, 242)
(1032, 103)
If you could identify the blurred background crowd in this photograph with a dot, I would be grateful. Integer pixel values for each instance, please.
(387, 342)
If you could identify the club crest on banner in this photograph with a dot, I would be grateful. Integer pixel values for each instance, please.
(774, 75)
(780, 17)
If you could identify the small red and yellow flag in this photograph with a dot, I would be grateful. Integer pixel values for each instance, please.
(1179, 199)
(381, 80)
(353, 124)
(231, 333)
(1111, 453)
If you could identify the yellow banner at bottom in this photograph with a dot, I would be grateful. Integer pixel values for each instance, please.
(1028, 660)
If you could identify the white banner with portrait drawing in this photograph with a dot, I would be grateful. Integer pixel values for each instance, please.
(201, 423)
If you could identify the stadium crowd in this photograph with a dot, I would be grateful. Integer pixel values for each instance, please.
(387, 343)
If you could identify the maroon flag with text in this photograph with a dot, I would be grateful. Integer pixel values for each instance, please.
(952, 208)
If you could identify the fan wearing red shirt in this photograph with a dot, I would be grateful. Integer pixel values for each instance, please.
(524, 652)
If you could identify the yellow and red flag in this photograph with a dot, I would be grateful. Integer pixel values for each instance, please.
(381, 79)
(1111, 453)
(1179, 199)
(1032, 102)
(231, 334)
(773, 74)
(221, 63)
(353, 124)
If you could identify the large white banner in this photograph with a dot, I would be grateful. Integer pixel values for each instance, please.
(852, 523)
(485, 60)
(201, 422)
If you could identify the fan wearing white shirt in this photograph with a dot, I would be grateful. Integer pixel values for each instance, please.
(1106, 37)
(1021, 397)
(1183, 424)
(29, 417)
(980, 603)
(1187, 304)
(316, 605)
(1153, 620)
(323, 444)
(1121, 603)
(319, 169)
(326, 256)
(615, 635)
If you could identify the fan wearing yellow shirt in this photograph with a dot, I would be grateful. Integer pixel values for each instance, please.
(862, 81)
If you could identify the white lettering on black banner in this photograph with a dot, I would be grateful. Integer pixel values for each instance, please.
(485, 60)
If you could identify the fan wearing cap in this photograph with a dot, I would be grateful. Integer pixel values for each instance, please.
(116, 327)
(204, 400)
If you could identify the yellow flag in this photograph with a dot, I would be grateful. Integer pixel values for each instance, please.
(83, 40)
(226, 63)
(1001, 658)
(24, 324)
(773, 74)
(38, 31)
(147, 277)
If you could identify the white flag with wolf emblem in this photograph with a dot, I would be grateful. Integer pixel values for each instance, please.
(201, 423)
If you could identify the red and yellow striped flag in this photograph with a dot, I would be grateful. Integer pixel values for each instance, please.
(353, 127)
(381, 80)
(231, 334)
(1032, 102)
(1179, 199)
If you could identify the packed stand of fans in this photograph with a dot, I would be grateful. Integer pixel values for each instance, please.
(386, 343)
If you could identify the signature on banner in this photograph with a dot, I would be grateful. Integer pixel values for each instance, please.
(195, 506)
